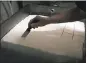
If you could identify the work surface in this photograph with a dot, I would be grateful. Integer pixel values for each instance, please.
(61, 38)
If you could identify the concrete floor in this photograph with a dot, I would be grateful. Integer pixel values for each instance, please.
(61, 39)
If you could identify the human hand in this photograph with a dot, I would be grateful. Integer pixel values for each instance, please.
(38, 21)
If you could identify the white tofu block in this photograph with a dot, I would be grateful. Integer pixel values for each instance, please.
(47, 38)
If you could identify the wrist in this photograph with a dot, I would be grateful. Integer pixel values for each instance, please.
(55, 19)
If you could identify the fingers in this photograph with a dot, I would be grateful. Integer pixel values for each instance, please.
(37, 21)
(34, 20)
(36, 25)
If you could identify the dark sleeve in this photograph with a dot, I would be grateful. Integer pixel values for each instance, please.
(81, 5)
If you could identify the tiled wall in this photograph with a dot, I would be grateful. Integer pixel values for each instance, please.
(8, 9)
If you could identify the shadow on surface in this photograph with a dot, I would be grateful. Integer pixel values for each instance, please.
(13, 53)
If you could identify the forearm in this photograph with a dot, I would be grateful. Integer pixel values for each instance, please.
(68, 16)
